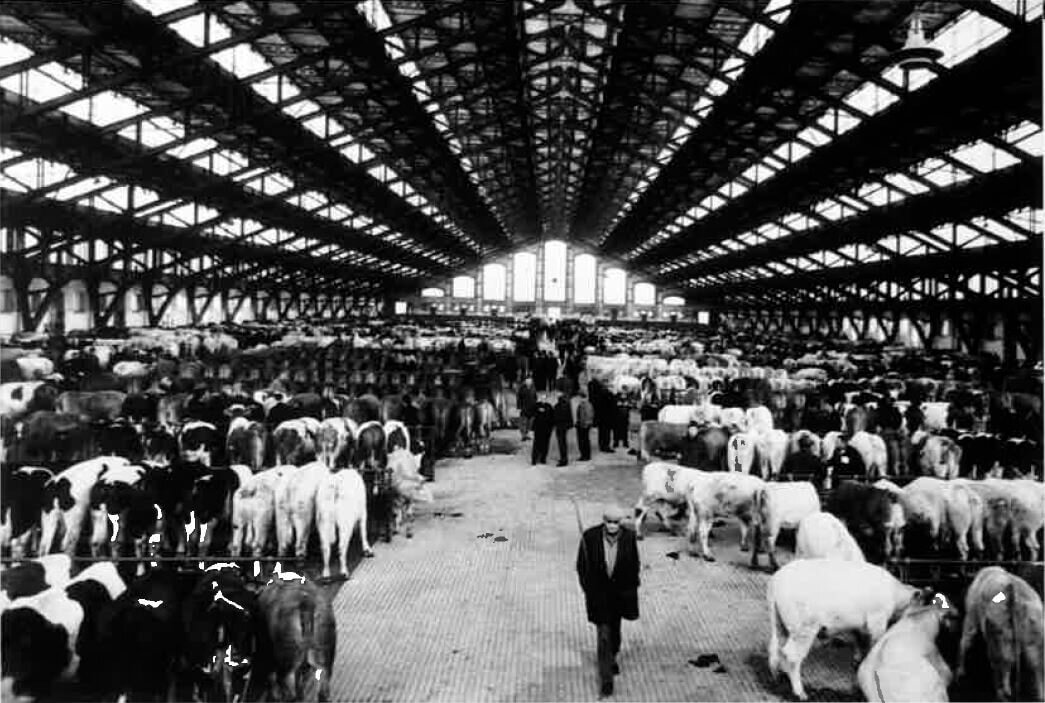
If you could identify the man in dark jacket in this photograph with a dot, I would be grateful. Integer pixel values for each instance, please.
(621, 421)
(526, 401)
(585, 418)
(563, 423)
(602, 403)
(543, 422)
(692, 447)
(608, 568)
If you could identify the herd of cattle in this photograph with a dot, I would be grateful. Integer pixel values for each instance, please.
(167, 635)
(864, 471)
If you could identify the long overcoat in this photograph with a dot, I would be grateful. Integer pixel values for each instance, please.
(609, 598)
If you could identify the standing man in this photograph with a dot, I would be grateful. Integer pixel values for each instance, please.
(585, 418)
(621, 420)
(563, 423)
(543, 422)
(608, 567)
(526, 401)
(601, 401)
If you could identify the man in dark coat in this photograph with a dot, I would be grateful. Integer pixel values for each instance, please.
(563, 423)
(608, 568)
(603, 404)
(692, 452)
(621, 421)
(543, 422)
(585, 418)
(526, 401)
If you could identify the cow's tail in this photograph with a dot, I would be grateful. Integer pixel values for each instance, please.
(1010, 596)
(643, 454)
(758, 504)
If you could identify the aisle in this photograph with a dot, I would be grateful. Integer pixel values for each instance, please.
(452, 616)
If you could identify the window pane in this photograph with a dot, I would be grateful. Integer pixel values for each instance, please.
(432, 293)
(584, 268)
(494, 278)
(524, 281)
(554, 270)
(645, 294)
(464, 287)
(674, 300)
(614, 292)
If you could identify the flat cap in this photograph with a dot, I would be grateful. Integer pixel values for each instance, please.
(613, 514)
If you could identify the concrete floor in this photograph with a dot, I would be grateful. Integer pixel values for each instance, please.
(483, 603)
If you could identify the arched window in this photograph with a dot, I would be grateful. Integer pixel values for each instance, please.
(555, 270)
(400, 307)
(674, 300)
(494, 279)
(524, 277)
(464, 287)
(584, 268)
(433, 293)
(645, 294)
(615, 287)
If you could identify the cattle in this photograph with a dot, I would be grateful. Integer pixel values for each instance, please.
(663, 484)
(365, 408)
(340, 509)
(19, 398)
(678, 414)
(982, 454)
(52, 436)
(484, 417)
(935, 416)
(23, 497)
(161, 446)
(254, 511)
(211, 503)
(720, 493)
(1004, 610)
(35, 576)
(67, 500)
(335, 442)
(829, 445)
(873, 452)
(198, 440)
(296, 492)
(1018, 505)
(92, 406)
(294, 442)
(397, 436)
(657, 439)
(112, 494)
(936, 456)
(807, 596)
(733, 419)
(821, 535)
(301, 639)
(938, 505)
(742, 452)
(33, 368)
(143, 635)
(48, 636)
(220, 625)
(246, 443)
(408, 487)
(371, 452)
(905, 665)
(771, 449)
(759, 419)
(778, 506)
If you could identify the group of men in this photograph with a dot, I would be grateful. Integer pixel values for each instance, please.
(595, 407)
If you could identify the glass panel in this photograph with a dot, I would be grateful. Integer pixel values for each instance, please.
(584, 272)
(615, 287)
(645, 294)
(555, 270)
(524, 279)
(494, 281)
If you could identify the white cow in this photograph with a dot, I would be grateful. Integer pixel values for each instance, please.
(742, 452)
(935, 414)
(254, 511)
(759, 419)
(679, 414)
(724, 494)
(664, 485)
(872, 451)
(340, 509)
(807, 596)
(408, 487)
(905, 664)
(772, 451)
(779, 506)
(334, 436)
(823, 536)
(16, 396)
(296, 492)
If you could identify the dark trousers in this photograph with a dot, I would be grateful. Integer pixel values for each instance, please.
(608, 647)
(584, 442)
(524, 425)
(560, 436)
(539, 453)
(604, 438)
(620, 432)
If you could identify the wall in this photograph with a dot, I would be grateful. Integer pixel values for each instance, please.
(8, 320)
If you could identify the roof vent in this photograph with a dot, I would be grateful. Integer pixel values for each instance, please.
(916, 52)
